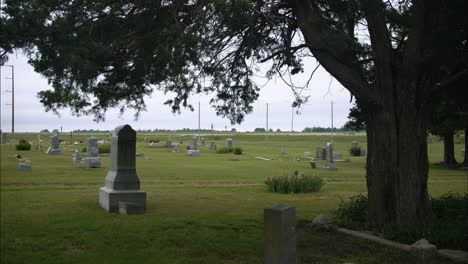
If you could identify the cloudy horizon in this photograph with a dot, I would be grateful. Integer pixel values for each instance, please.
(30, 115)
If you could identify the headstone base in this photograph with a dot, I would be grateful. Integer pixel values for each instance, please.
(24, 167)
(52, 151)
(109, 199)
(330, 166)
(92, 162)
(130, 208)
(193, 152)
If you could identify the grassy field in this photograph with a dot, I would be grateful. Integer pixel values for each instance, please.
(206, 209)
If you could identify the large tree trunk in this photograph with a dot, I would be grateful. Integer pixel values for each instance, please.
(465, 161)
(397, 164)
(449, 149)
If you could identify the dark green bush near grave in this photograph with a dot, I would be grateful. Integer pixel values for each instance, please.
(102, 148)
(23, 145)
(237, 151)
(355, 151)
(294, 184)
(352, 213)
(447, 228)
(223, 150)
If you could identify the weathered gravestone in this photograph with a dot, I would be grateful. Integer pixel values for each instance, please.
(39, 143)
(329, 165)
(363, 151)
(169, 141)
(321, 153)
(54, 148)
(122, 183)
(283, 151)
(92, 151)
(280, 234)
(354, 144)
(24, 167)
(193, 151)
(1, 137)
(228, 143)
(194, 143)
(307, 154)
(76, 157)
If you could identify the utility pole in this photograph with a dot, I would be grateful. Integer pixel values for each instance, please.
(12, 97)
(292, 120)
(332, 122)
(199, 119)
(267, 122)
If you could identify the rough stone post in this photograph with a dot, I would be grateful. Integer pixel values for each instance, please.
(122, 183)
(39, 143)
(280, 234)
(330, 164)
(169, 141)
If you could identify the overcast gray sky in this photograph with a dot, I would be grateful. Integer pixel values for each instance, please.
(30, 115)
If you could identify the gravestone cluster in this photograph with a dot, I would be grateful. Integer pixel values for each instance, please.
(121, 192)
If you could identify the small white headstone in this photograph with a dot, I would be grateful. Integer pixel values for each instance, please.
(307, 154)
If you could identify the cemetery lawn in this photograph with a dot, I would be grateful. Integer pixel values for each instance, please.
(206, 209)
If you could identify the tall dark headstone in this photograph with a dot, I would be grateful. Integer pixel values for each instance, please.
(280, 234)
(122, 183)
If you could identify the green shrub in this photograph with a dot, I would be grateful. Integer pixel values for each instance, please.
(237, 151)
(355, 151)
(447, 228)
(294, 184)
(104, 148)
(353, 213)
(23, 145)
(223, 150)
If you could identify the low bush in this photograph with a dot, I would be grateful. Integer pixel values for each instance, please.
(102, 148)
(355, 151)
(447, 228)
(223, 150)
(23, 145)
(294, 184)
(237, 151)
(353, 213)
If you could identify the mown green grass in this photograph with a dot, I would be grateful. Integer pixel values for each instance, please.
(206, 209)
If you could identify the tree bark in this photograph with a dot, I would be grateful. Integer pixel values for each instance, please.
(465, 161)
(449, 149)
(397, 164)
(398, 100)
